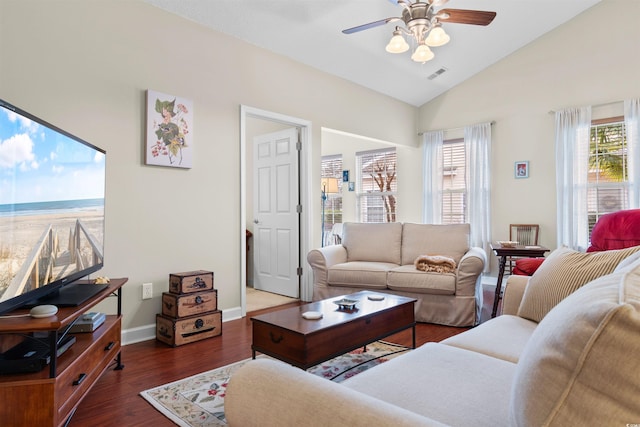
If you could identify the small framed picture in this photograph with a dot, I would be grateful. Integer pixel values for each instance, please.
(522, 169)
(345, 176)
(352, 186)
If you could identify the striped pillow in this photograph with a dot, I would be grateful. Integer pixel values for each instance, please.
(564, 271)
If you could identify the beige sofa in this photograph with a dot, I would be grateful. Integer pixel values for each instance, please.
(578, 366)
(380, 257)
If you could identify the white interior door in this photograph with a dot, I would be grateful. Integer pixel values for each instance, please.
(275, 203)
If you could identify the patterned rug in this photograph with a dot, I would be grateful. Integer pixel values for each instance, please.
(198, 401)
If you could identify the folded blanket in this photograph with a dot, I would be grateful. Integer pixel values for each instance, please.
(435, 263)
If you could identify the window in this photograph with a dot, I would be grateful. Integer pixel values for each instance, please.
(377, 185)
(454, 192)
(332, 168)
(608, 174)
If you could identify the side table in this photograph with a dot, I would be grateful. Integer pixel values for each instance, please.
(504, 252)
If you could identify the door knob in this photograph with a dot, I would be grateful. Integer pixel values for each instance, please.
(255, 221)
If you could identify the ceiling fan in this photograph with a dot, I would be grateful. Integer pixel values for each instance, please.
(424, 23)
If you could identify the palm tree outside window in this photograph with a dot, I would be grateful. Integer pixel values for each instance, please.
(608, 179)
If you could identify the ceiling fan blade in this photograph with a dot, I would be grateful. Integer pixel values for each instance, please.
(369, 25)
(463, 16)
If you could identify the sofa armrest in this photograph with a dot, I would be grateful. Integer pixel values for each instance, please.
(322, 259)
(469, 270)
(265, 392)
(513, 292)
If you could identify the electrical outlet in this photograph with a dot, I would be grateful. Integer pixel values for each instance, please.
(147, 290)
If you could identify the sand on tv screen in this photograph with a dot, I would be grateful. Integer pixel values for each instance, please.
(52, 192)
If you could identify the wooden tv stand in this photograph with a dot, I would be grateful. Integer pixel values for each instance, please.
(51, 396)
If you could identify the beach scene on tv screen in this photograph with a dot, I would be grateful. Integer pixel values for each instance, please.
(51, 205)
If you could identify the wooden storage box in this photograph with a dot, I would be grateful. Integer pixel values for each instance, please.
(191, 281)
(177, 332)
(176, 305)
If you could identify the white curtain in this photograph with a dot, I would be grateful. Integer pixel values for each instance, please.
(432, 177)
(632, 126)
(477, 140)
(573, 128)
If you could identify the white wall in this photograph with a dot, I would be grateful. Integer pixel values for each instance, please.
(591, 60)
(85, 67)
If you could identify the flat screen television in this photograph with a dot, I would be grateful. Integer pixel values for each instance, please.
(52, 193)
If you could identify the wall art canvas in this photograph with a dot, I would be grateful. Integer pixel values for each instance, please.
(169, 140)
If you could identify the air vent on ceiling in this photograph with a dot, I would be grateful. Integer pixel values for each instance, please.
(438, 72)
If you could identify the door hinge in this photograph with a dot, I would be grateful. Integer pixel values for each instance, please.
(299, 146)
(299, 209)
(299, 271)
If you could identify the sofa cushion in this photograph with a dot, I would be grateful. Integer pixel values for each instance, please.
(409, 279)
(370, 275)
(581, 364)
(626, 263)
(504, 337)
(453, 386)
(378, 242)
(564, 271)
(451, 240)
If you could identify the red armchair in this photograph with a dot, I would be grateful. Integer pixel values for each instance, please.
(616, 230)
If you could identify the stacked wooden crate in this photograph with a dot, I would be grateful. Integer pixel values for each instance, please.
(189, 310)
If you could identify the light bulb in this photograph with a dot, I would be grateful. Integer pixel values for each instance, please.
(437, 37)
(422, 54)
(397, 44)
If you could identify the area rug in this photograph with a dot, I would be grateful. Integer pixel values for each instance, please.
(198, 401)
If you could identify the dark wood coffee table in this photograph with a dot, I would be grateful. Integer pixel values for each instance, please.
(287, 336)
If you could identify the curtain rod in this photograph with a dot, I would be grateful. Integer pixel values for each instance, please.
(493, 122)
(593, 106)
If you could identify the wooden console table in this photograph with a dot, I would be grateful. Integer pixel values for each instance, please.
(51, 396)
(503, 253)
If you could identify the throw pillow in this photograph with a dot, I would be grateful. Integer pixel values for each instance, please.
(564, 271)
(581, 364)
(528, 266)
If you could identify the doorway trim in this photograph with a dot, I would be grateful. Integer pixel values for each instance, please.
(306, 216)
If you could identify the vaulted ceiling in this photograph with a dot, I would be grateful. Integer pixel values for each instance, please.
(310, 32)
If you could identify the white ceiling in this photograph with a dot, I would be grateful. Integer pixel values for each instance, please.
(310, 31)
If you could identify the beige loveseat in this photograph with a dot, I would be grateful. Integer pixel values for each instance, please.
(380, 257)
(578, 366)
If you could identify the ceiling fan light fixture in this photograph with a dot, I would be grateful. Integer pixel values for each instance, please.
(397, 44)
(437, 37)
(422, 54)
(423, 26)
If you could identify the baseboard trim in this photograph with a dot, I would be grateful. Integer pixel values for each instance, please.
(148, 332)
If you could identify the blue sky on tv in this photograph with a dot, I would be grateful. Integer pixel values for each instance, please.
(38, 164)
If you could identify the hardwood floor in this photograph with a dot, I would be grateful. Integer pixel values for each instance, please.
(115, 399)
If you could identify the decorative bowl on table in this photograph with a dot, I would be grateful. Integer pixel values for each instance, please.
(345, 304)
(507, 243)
